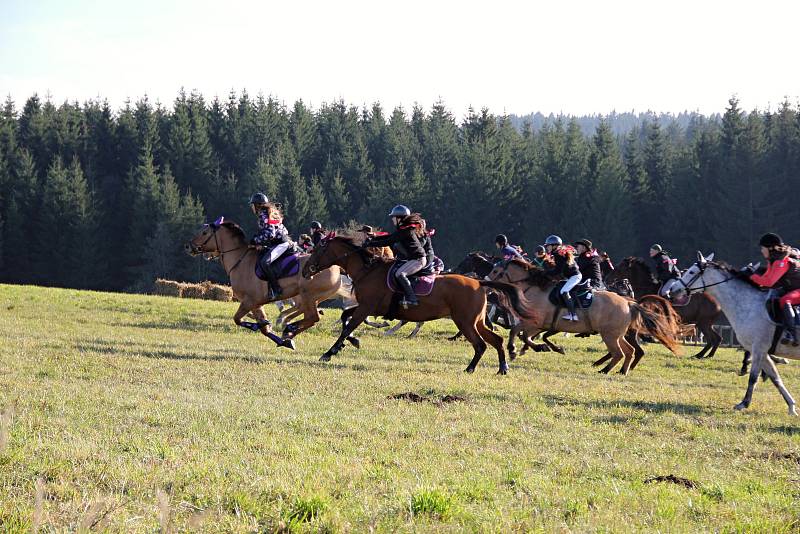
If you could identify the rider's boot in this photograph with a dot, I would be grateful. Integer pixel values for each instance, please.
(569, 302)
(409, 298)
(789, 326)
(275, 289)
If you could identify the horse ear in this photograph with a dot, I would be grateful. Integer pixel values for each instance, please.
(700, 258)
(710, 257)
(219, 221)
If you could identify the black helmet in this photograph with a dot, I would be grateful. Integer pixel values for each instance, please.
(259, 198)
(585, 242)
(501, 239)
(400, 211)
(539, 250)
(553, 240)
(770, 240)
(316, 225)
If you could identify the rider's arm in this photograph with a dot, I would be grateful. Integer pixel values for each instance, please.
(774, 272)
(384, 241)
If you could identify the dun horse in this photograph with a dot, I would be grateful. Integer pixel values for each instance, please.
(610, 315)
(227, 241)
(458, 297)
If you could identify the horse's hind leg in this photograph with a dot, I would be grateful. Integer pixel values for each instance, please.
(612, 342)
(712, 341)
(602, 360)
(471, 333)
(495, 341)
(416, 330)
(745, 363)
(512, 335)
(772, 372)
(553, 346)
(638, 351)
(628, 349)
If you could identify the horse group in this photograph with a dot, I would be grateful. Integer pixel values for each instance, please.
(340, 267)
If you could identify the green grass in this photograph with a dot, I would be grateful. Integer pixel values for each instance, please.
(115, 398)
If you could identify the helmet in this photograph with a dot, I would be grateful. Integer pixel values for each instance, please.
(539, 250)
(585, 242)
(770, 240)
(553, 240)
(259, 198)
(656, 247)
(400, 211)
(502, 239)
(316, 225)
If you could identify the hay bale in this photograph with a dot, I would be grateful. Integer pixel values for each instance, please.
(218, 292)
(167, 288)
(193, 291)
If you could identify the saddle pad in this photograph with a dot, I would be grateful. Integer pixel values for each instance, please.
(776, 313)
(582, 294)
(422, 284)
(288, 264)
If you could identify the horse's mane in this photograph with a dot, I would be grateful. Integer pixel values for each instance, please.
(735, 273)
(536, 275)
(236, 229)
(630, 261)
(356, 239)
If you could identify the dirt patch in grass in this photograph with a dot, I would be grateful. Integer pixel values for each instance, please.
(410, 396)
(680, 481)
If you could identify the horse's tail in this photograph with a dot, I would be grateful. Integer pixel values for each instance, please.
(661, 322)
(663, 306)
(514, 296)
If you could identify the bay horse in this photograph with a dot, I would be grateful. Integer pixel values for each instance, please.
(610, 315)
(701, 310)
(461, 298)
(226, 240)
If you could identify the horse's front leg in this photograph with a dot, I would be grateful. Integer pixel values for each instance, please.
(266, 329)
(310, 318)
(757, 358)
(358, 317)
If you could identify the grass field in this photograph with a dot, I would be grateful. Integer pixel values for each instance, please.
(140, 413)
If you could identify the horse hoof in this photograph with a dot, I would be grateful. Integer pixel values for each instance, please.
(354, 341)
(603, 371)
(742, 372)
(325, 358)
(469, 370)
(561, 351)
(512, 357)
(503, 371)
(289, 344)
(739, 407)
(792, 411)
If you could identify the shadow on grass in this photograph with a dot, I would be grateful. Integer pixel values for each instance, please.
(189, 325)
(644, 406)
(786, 430)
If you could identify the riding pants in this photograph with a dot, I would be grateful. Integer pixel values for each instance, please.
(667, 287)
(411, 267)
(572, 281)
(792, 297)
(276, 251)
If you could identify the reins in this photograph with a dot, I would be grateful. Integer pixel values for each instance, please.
(221, 253)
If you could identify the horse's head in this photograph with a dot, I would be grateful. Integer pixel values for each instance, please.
(703, 273)
(330, 250)
(205, 241)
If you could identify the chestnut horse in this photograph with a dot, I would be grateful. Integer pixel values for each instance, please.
(610, 315)
(461, 298)
(226, 241)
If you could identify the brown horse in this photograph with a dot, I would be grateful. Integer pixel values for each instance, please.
(701, 310)
(610, 315)
(458, 297)
(226, 241)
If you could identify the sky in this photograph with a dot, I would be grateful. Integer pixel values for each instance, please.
(566, 56)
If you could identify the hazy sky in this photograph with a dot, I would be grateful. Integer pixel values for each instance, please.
(517, 57)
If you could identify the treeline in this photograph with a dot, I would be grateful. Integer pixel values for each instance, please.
(621, 123)
(96, 198)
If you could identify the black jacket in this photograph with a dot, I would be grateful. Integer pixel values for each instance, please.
(561, 269)
(316, 236)
(665, 268)
(405, 243)
(589, 265)
(427, 244)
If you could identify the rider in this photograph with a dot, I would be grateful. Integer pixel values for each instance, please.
(317, 232)
(305, 243)
(408, 243)
(666, 271)
(783, 274)
(606, 265)
(539, 256)
(272, 236)
(564, 267)
(507, 251)
(589, 263)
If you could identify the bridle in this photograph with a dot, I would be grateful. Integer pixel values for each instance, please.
(314, 268)
(218, 253)
(701, 269)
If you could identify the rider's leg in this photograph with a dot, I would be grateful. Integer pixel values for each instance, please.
(403, 272)
(567, 298)
(788, 302)
(269, 272)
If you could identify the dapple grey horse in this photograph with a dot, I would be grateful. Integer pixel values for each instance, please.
(745, 307)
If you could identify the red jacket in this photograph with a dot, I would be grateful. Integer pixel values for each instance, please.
(781, 272)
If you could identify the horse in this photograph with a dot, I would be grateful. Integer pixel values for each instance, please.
(479, 264)
(745, 306)
(461, 298)
(702, 311)
(610, 315)
(226, 240)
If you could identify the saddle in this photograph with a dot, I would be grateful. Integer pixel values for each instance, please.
(287, 264)
(422, 281)
(776, 313)
(583, 294)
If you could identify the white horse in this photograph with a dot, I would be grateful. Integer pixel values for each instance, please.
(745, 307)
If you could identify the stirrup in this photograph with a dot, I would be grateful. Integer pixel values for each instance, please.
(571, 317)
(405, 303)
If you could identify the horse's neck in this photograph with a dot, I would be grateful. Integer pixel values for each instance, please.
(237, 251)
(736, 298)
